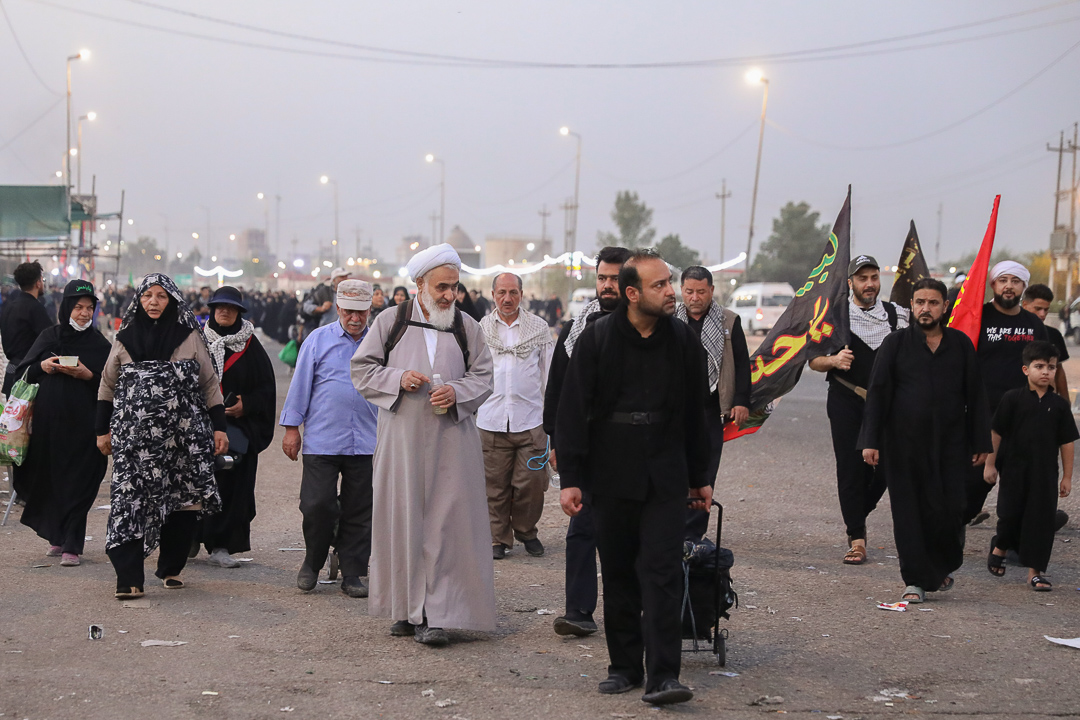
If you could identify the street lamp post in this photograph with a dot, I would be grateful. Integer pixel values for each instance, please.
(572, 230)
(756, 76)
(81, 55)
(442, 194)
(324, 180)
(90, 116)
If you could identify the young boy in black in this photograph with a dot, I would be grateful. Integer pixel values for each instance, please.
(1032, 426)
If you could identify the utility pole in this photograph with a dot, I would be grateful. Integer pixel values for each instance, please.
(937, 242)
(1062, 238)
(544, 214)
(723, 195)
(434, 217)
(567, 208)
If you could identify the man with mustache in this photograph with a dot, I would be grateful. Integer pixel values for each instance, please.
(581, 587)
(927, 424)
(859, 486)
(1006, 330)
(428, 374)
(631, 431)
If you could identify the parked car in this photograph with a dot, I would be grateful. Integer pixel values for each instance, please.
(760, 305)
(578, 300)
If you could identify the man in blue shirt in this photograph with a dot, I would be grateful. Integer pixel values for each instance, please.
(339, 440)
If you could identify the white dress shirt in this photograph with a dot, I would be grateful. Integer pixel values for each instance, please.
(517, 404)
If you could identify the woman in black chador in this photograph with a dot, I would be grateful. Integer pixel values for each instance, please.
(250, 391)
(63, 469)
(160, 415)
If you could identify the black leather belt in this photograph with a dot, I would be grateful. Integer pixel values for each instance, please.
(638, 418)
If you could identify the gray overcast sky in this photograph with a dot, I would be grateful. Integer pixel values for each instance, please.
(186, 122)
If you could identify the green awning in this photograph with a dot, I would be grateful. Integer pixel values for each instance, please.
(33, 212)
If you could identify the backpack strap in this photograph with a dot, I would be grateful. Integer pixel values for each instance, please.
(402, 323)
(890, 310)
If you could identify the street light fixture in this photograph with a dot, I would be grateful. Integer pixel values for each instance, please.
(571, 234)
(755, 76)
(442, 194)
(81, 55)
(90, 117)
(324, 180)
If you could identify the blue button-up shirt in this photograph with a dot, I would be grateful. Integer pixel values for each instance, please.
(337, 420)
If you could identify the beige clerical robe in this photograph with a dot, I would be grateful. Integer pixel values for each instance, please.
(430, 534)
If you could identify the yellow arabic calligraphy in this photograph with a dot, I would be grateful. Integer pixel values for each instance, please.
(820, 272)
(786, 347)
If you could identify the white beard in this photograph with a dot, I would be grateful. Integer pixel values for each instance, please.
(438, 318)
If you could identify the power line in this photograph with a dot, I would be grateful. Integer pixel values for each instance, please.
(11, 27)
(432, 59)
(946, 128)
(33, 122)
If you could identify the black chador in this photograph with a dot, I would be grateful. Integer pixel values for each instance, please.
(927, 414)
(63, 468)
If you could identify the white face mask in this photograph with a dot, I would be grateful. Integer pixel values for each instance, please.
(79, 327)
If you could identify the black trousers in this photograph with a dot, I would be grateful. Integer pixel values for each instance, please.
(858, 485)
(976, 490)
(640, 546)
(341, 519)
(1026, 509)
(581, 586)
(176, 536)
(697, 521)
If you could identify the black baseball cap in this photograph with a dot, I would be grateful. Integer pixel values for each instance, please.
(859, 262)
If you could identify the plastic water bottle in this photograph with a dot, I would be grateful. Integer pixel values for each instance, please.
(436, 382)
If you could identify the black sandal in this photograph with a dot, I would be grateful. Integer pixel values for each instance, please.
(995, 563)
(1040, 580)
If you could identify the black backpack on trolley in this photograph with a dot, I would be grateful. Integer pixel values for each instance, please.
(707, 591)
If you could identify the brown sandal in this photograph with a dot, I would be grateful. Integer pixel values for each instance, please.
(856, 555)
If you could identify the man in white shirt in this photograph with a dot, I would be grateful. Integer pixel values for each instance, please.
(511, 420)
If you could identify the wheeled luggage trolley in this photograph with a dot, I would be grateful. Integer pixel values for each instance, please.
(707, 592)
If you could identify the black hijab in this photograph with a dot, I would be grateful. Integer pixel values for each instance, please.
(89, 345)
(149, 339)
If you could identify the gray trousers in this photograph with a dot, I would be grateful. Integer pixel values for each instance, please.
(339, 518)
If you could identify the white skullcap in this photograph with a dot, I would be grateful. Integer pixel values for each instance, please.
(431, 258)
(1010, 267)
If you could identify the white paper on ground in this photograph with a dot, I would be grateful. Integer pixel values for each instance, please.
(162, 643)
(1068, 642)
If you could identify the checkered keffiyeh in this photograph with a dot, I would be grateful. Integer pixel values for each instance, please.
(712, 337)
(872, 324)
(580, 322)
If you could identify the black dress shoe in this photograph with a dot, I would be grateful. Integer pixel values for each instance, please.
(353, 586)
(402, 628)
(307, 578)
(616, 684)
(498, 551)
(534, 547)
(669, 692)
(569, 625)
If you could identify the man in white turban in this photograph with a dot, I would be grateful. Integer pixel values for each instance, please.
(427, 368)
(1006, 329)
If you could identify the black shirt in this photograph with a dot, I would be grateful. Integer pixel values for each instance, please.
(740, 356)
(1001, 344)
(1059, 342)
(22, 318)
(1032, 429)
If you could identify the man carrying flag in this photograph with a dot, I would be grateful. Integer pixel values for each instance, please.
(859, 486)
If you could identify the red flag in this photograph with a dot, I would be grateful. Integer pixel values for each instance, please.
(967, 311)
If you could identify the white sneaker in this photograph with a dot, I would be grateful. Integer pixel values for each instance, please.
(222, 558)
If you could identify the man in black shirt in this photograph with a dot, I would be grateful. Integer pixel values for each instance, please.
(631, 430)
(1037, 299)
(1006, 329)
(581, 588)
(720, 333)
(22, 318)
(859, 486)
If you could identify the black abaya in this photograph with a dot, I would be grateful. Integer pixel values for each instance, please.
(250, 377)
(926, 412)
(63, 469)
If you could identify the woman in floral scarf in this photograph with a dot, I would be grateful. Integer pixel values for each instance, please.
(161, 415)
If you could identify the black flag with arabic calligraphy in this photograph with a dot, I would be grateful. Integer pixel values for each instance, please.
(816, 319)
(911, 269)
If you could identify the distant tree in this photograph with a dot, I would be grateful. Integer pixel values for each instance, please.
(794, 247)
(141, 257)
(677, 254)
(634, 220)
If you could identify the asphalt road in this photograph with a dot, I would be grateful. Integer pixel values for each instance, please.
(807, 630)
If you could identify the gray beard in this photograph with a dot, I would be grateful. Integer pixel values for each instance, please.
(438, 318)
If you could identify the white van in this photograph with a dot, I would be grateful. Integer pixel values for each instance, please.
(760, 305)
(578, 300)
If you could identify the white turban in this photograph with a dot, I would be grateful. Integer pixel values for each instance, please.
(1010, 267)
(431, 258)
